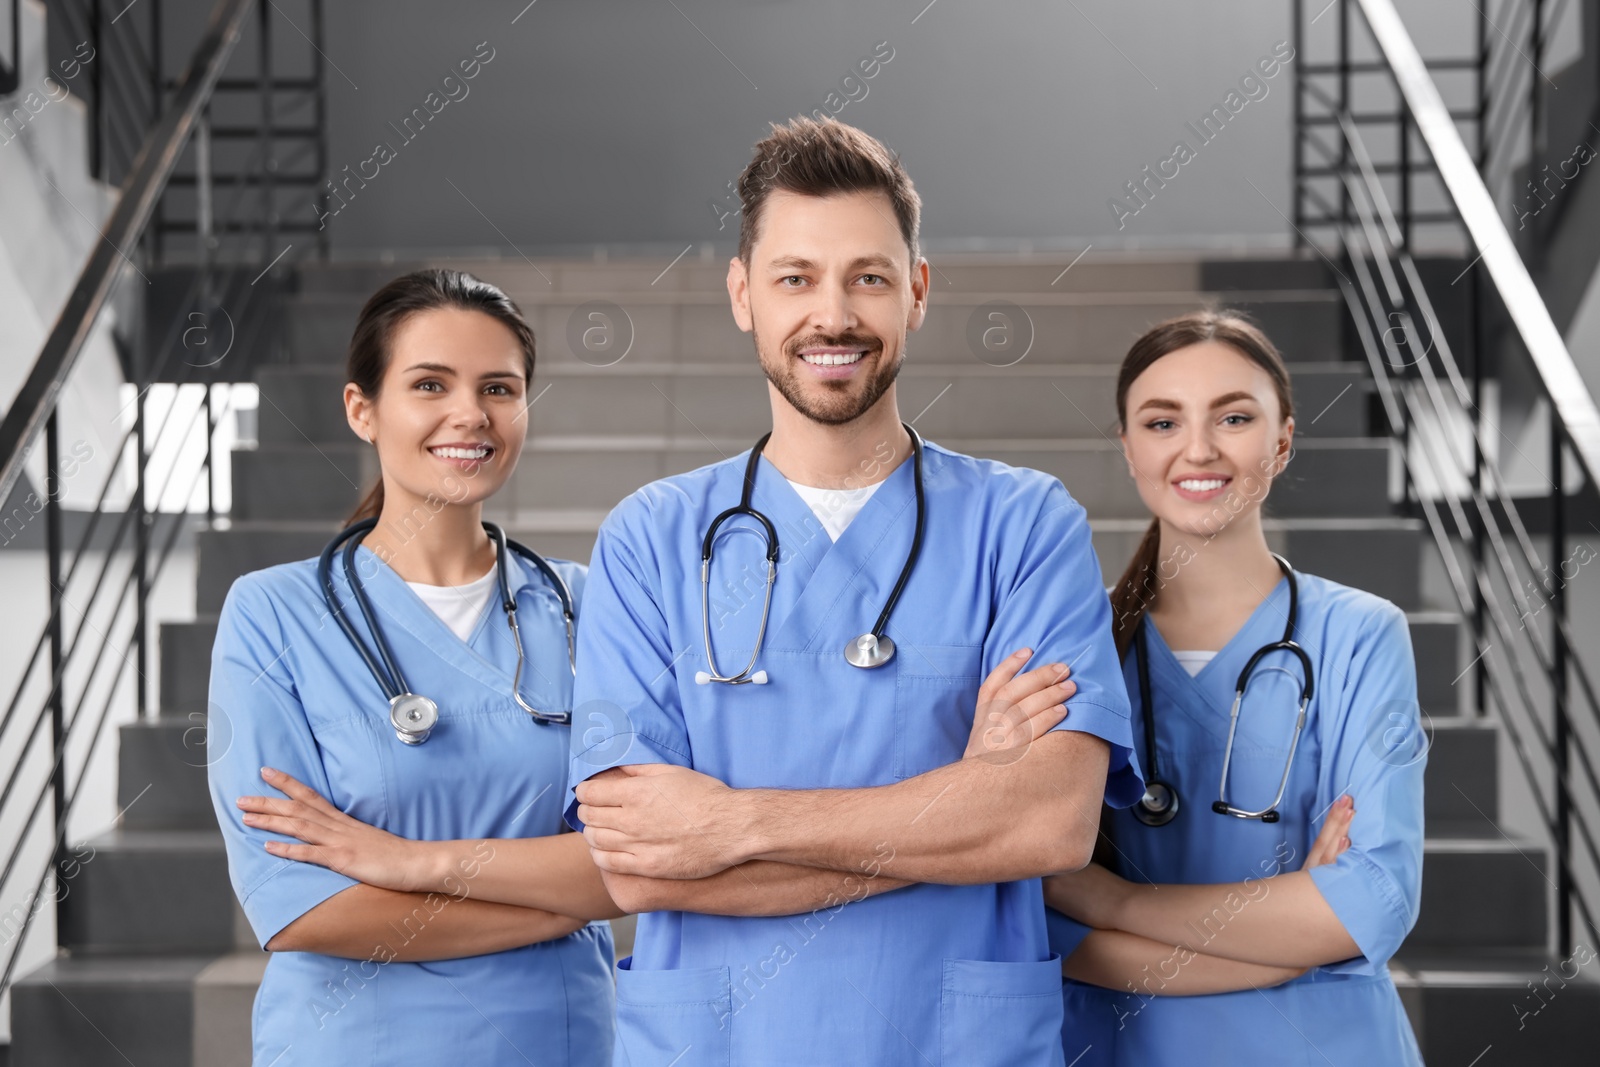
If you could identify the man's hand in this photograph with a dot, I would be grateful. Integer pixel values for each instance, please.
(1013, 711)
(661, 821)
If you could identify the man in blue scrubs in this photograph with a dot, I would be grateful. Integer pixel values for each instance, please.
(760, 826)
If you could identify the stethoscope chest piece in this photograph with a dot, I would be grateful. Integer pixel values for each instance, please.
(869, 650)
(413, 717)
(1159, 805)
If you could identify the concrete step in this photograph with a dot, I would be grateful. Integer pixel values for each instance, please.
(301, 481)
(107, 1011)
(186, 664)
(996, 328)
(1380, 554)
(1490, 1008)
(304, 404)
(973, 272)
(161, 774)
(1480, 890)
(1348, 477)
(1463, 776)
(152, 892)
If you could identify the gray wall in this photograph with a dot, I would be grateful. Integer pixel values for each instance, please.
(618, 121)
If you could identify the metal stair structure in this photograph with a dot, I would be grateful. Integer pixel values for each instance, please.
(159, 960)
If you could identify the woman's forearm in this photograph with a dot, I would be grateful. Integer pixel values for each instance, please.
(1281, 921)
(367, 923)
(1117, 960)
(551, 873)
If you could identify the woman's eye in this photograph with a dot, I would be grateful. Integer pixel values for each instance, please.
(1160, 425)
(498, 390)
(430, 385)
(1236, 420)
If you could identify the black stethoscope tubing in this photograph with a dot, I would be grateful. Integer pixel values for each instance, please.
(386, 670)
(1161, 801)
(872, 649)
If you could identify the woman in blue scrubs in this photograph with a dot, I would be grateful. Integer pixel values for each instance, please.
(1206, 938)
(447, 966)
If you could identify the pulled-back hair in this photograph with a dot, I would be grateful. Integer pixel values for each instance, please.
(397, 301)
(822, 158)
(1136, 590)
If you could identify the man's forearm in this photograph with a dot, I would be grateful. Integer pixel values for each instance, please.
(757, 888)
(973, 821)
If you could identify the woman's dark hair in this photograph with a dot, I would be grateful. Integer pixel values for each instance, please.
(1136, 590)
(407, 295)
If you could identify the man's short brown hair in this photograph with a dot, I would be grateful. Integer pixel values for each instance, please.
(822, 158)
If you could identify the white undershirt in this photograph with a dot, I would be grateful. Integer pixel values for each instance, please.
(1194, 662)
(835, 508)
(459, 606)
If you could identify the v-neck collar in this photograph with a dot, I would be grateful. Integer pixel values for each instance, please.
(396, 603)
(1263, 626)
(848, 577)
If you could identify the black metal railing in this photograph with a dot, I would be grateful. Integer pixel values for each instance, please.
(92, 655)
(1388, 190)
(11, 66)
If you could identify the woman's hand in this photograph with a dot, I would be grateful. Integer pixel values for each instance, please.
(1093, 896)
(333, 839)
(1334, 837)
(1013, 711)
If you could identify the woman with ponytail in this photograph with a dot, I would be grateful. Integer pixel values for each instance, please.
(1223, 926)
(419, 901)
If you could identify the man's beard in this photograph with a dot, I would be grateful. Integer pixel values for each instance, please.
(839, 402)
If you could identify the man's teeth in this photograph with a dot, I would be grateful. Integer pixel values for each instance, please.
(461, 453)
(1196, 485)
(828, 359)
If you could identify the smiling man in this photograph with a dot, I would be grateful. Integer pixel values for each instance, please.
(762, 817)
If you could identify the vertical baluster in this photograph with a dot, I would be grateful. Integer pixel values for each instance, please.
(58, 703)
(1558, 691)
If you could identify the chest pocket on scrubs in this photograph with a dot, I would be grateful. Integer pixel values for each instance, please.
(935, 700)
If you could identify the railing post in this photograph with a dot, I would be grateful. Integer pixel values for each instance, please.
(1297, 196)
(1558, 694)
(269, 236)
(58, 703)
(141, 551)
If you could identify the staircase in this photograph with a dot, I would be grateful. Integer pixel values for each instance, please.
(162, 969)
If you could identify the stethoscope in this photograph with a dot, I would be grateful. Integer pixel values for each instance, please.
(1160, 802)
(412, 715)
(871, 649)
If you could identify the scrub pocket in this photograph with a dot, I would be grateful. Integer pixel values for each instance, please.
(1000, 1013)
(674, 1016)
(935, 701)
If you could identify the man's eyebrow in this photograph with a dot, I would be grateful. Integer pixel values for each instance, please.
(1220, 402)
(875, 259)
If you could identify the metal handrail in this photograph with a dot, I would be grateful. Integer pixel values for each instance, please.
(1558, 374)
(1528, 673)
(24, 420)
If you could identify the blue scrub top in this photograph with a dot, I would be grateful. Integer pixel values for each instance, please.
(288, 690)
(1362, 737)
(926, 974)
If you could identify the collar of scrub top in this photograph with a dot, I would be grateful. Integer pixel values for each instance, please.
(871, 649)
(412, 715)
(1161, 801)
